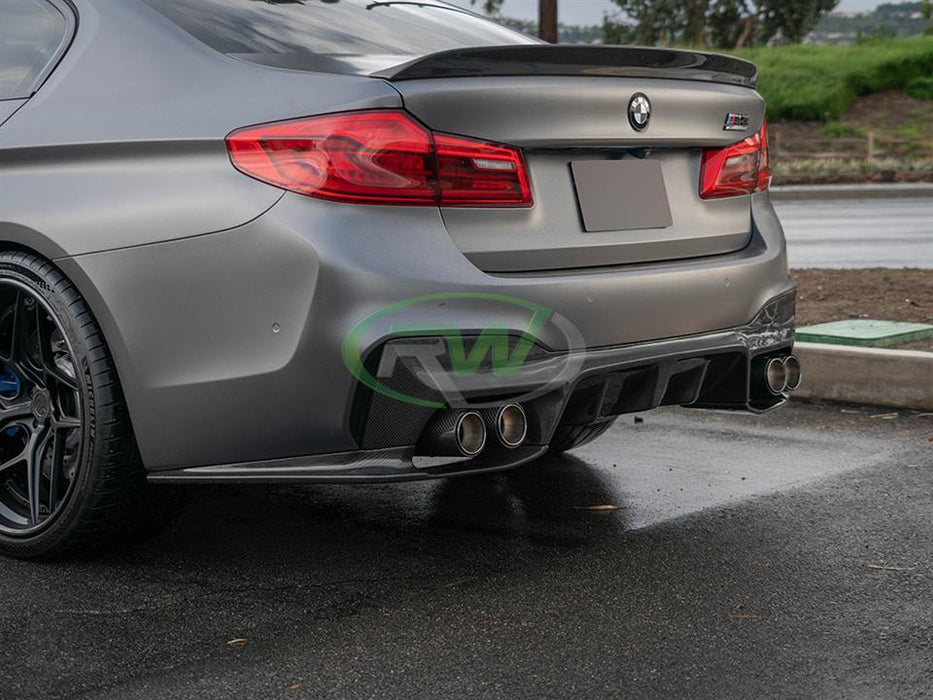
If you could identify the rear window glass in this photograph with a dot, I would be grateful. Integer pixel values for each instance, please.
(333, 35)
(30, 34)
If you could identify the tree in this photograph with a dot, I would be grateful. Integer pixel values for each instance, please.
(547, 16)
(490, 7)
(722, 23)
(667, 21)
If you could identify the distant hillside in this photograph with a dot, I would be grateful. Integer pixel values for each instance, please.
(886, 21)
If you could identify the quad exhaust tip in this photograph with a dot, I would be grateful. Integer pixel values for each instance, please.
(464, 434)
(470, 433)
(793, 373)
(775, 375)
(453, 434)
(511, 425)
(782, 374)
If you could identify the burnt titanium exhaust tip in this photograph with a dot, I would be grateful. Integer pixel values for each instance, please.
(470, 433)
(793, 373)
(775, 376)
(511, 425)
(453, 434)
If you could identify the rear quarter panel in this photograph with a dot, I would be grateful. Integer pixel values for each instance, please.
(124, 144)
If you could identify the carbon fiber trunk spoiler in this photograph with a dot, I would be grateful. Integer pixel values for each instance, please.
(583, 60)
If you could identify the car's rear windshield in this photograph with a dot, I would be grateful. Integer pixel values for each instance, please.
(346, 36)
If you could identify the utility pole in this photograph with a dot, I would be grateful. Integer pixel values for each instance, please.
(547, 20)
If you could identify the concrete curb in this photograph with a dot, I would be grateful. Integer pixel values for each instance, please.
(896, 378)
(868, 191)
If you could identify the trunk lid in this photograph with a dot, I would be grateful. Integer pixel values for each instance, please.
(570, 114)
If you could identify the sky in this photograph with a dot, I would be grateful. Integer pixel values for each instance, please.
(591, 11)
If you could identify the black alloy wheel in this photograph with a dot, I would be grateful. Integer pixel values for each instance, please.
(69, 468)
(40, 413)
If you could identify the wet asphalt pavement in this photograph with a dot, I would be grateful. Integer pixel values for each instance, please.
(788, 555)
(895, 232)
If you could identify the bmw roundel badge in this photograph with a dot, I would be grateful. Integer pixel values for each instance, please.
(639, 111)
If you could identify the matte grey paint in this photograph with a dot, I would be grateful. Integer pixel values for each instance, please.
(8, 108)
(551, 235)
(310, 266)
(544, 115)
(128, 133)
(116, 169)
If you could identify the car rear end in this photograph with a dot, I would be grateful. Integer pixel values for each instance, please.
(572, 233)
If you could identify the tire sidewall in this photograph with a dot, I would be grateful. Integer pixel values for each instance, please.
(48, 288)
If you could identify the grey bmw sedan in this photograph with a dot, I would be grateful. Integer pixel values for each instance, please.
(358, 241)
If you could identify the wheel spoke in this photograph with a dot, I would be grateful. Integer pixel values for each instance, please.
(6, 352)
(56, 373)
(55, 470)
(9, 353)
(14, 461)
(46, 355)
(28, 372)
(36, 450)
(18, 332)
(66, 423)
(10, 412)
(19, 359)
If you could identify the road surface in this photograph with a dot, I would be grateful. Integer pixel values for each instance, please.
(858, 232)
(780, 556)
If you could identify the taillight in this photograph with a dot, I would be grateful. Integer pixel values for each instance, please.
(380, 157)
(742, 168)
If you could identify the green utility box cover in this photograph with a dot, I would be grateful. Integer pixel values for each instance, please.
(876, 334)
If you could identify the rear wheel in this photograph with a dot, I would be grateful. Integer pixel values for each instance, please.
(69, 469)
(568, 437)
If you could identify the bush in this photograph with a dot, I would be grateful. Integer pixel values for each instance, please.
(921, 88)
(817, 83)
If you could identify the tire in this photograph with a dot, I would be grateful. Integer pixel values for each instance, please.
(70, 472)
(569, 437)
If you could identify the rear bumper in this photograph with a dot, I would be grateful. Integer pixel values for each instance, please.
(229, 345)
(707, 371)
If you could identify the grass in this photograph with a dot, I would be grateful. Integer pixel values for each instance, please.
(916, 132)
(818, 83)
(921, 88)
(841, 130)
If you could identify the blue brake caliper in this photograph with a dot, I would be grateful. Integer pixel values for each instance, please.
(9, 386)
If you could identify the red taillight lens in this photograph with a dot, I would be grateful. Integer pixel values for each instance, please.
(477, 173)
(380, 157)
(742, 168)
(374, 157)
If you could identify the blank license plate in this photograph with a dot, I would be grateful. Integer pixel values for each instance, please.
(621, 195)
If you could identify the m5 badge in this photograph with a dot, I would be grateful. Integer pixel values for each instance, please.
(736, 121)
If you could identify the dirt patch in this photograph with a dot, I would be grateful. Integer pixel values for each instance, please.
(892, 111)
(877, 293)
(887, 112)
(903, 129)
